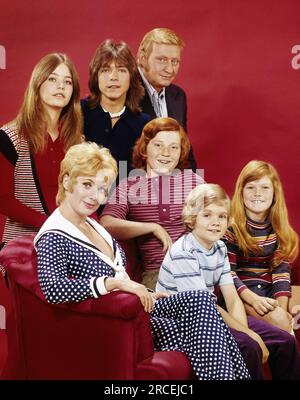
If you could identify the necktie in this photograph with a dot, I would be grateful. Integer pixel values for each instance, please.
(156, 100)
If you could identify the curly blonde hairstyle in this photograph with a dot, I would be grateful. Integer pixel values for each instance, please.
(84, 159)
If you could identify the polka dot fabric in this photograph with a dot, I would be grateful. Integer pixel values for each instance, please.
(189, 322)
(65, 268)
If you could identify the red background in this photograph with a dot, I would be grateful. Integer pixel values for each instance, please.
(243, 93)
(236, 68)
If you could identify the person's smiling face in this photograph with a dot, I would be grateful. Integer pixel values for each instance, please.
(211, 224)
(88, 192)
(163, 153)
(258, 197)
(162, 65)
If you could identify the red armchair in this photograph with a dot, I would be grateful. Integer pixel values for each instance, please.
(105, 338)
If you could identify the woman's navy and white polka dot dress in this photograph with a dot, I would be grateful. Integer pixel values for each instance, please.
(65, 268)
(187, 322)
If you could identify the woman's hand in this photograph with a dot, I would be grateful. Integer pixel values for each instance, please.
(161, 234)
(262, 305)
(127, 285)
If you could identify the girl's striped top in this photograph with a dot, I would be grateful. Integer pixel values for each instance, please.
(256, 269)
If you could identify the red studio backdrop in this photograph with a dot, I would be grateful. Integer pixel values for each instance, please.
(240, 69)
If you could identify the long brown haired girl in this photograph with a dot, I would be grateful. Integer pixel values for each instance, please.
(262, 244)
(33, 145)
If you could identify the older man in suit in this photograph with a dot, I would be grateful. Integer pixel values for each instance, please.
(159, 60)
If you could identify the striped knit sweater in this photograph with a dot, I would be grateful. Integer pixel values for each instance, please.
(26, 189)
(158, 199)
(256, 269)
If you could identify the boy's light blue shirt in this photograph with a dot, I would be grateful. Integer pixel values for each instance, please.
(189, 266)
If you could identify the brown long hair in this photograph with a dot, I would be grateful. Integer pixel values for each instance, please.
(108, 52)
(278, 214)
(32, 120)
(151, 129)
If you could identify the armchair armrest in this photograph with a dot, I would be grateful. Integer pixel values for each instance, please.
(19, 259)
(117, 304)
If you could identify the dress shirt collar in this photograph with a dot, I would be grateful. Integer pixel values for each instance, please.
(150, 89)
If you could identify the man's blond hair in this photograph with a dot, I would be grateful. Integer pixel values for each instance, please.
(159, 36)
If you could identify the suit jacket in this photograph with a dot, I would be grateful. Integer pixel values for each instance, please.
(176, 104)
(177, 109)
